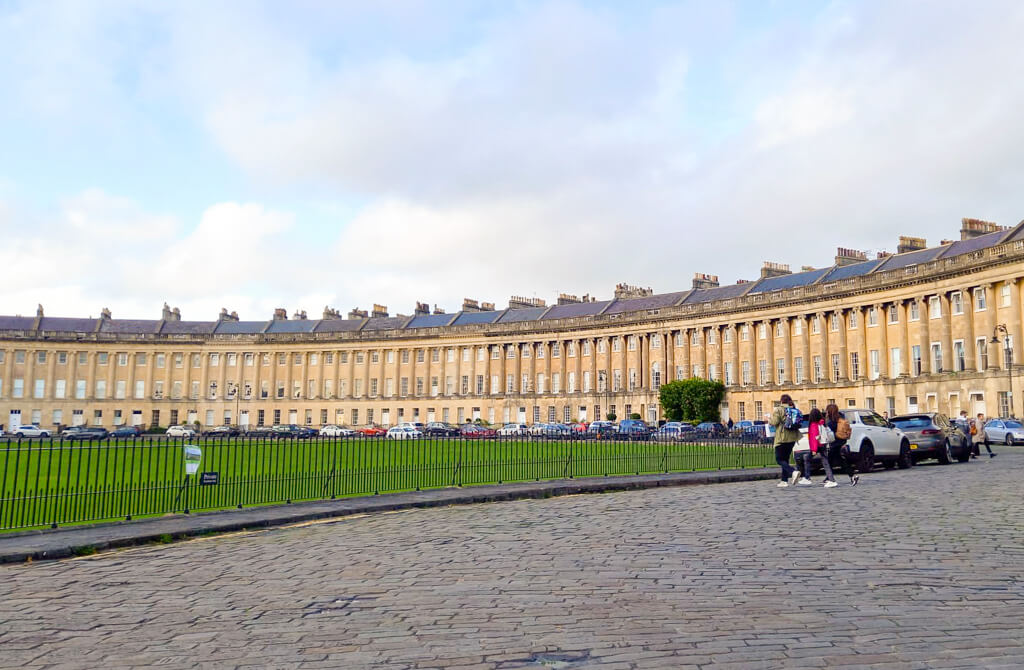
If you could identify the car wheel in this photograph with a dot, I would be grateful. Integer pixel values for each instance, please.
(965, 454)
(945, 455)
(44, 435)
(905, 460)
(867, 457)
(19, 435)
(1009, 440)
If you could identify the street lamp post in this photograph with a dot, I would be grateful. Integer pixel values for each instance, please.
(1008, 361)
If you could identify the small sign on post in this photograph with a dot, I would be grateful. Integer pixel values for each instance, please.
(193, 456)
(209, 479)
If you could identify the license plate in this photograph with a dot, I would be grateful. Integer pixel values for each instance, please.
(913, 446)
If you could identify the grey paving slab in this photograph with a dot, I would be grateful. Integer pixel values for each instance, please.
(911, 569)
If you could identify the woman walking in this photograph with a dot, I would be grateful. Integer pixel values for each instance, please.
(818, 435)
(785, 438)
(841, 429)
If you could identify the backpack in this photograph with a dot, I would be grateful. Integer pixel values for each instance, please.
(825, 435)
(793, 419)
(974, 427)
(843, 430)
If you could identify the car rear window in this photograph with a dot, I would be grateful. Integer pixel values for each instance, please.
(912, 422)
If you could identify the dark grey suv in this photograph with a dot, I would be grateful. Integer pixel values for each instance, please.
(933, 435)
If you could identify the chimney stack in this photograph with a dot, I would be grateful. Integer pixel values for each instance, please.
(299, 315)
(280, 314)
(972, 228)
(487, 307)
(357, 313)
(470, 305)
(519, 302)
(701, 280)
(627, 291)
(911, 244)
(105, 314)
(567, 299)
(438, 310)
(175, 314)
(421, 308)
(379, 310)
(225, 316)
(330, 313)
(849, 256)
(770, 269)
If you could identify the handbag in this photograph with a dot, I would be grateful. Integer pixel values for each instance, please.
(825, 435)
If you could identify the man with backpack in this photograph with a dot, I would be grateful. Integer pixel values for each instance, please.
(786, 418)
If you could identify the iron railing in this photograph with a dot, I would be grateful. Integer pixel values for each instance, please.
(50, 483)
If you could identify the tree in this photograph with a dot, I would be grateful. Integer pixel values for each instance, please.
(692, 399)
(610, 416)
(635, 415)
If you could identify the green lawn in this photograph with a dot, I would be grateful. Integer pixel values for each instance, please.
(45, 482)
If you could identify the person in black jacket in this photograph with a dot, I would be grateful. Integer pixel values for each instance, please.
(836, 449)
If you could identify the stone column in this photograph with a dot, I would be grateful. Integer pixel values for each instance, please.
(686, 359)
(904, 314)
(806, 342)
(579, 369)
(924, 334)
(970, 358)
(704, 351)
(150, 371)
(1013, 321)
(69, 389)
(883, 344)
(593, 368)
(990, 322)
(844, 350)
(947, 331)
(788, 376)
(769, 350)
(48, 392)
(737, 373)
(720, 353)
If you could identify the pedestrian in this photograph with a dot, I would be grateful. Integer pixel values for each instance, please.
(979, 432)
(804, 450)
(786, 435)
(839, 449)
(820, 438)
(730, 424)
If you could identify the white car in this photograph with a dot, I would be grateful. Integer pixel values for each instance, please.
(513, 429)
(180, 431)
(1003, 431)
(30, 430)
(872, 439)
(336, 431)
(403, 433)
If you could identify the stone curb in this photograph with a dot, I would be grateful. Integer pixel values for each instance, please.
(78, 540)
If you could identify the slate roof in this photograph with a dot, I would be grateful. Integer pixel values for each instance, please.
(241, 327)
(849, 271)
(130, 326)
(576, 309)
(16, 322)
(63, 324)
(188, 327)
(338, 325)
(645, 303)
(717, 293)
(974, 244)
(430, 320)
(385, 322)
(900, 261)
(790, 281)
(475, 317)
(525, 314)
(296, 326)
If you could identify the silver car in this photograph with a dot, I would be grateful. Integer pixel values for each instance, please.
(1003, 431)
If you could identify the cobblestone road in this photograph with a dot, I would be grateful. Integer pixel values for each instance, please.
(910, 569)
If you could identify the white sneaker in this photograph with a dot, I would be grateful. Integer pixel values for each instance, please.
(782, 485)
(793, 477)
(830, 485)
(804, 481)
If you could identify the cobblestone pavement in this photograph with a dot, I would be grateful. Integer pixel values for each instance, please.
(911, 569)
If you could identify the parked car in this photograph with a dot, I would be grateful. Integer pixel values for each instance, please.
(712, 429)
(126, 431)
(332, 430)
(759, 432)
(372, 431)
(471, 430)
(597, 426)
(439, 429)
(558, 431)
(669, 433)
(403, 433)
(30, 430)
(513, 429)
(537, 430)
(223, 431)
(1003, 431)
(634, 429)
(292, 430)
(932, 435)
(415, 425)
(180, 431)
(872, 439)
(85, 433)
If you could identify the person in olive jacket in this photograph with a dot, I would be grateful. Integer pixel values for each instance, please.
(785, 438)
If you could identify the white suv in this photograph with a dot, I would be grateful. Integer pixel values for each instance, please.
(180, 431)
(872, 439)
(30, 430)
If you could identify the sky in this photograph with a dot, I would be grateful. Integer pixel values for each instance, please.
(255, 155)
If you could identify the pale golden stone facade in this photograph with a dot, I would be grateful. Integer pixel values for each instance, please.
(907, 332)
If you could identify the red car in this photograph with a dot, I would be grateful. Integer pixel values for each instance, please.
(471, 430)
(372, 431)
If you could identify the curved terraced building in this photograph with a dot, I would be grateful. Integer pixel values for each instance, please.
(911, 331)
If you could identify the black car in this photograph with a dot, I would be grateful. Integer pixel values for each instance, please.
(223, 431)
(85, 433)
(438, 429)
(712, 429)
(933, 435)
